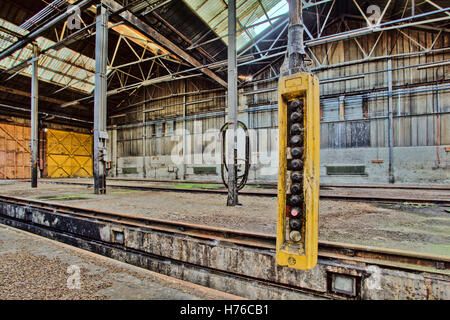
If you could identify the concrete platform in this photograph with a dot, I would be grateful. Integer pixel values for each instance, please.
(403, 226)
(32, 267)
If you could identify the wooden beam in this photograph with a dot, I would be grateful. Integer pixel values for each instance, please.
(140, 25)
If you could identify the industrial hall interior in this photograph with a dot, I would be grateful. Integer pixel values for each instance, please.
(224, 150)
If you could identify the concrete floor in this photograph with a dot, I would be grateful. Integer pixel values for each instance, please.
(401, 226)
(33, 267)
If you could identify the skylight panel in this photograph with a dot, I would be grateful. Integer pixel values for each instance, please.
(60, 67)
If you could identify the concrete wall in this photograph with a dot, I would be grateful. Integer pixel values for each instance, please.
(354, 117)
(412, 165)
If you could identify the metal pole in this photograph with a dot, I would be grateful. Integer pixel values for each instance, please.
(34, 116)
(184, 131)
(144, 138)
(390, 124)
(100, 134)
(232, 105)
(296, 48)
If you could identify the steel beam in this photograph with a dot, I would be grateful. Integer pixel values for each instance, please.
(100, 99)
(141, 26)
(385, 26)
(29, 95)
(30, 37)
(232, 106)
(34, 117)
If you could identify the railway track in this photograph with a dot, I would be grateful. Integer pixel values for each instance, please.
(233, 261)
(271, 194)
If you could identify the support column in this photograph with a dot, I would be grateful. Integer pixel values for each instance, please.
(184, 130)
(390, 124)
(232, 105)
(296, 49)
(100, 106)
(34, 117)
(144, 136)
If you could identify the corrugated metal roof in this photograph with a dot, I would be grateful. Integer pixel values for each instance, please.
(63, 67)
(248, 12)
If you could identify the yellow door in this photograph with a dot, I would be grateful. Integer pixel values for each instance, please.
(69, 154)
(15, 160)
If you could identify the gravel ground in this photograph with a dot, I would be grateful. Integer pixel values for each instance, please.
(401, 226)
(32, 267)
(324, 191)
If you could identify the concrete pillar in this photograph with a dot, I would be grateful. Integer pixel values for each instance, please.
(100, 105)
(232, 105)
(34, 117)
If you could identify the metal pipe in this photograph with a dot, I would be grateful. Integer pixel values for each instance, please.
(34, 117)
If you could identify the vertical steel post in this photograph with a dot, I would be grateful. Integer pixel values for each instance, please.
(144, 137)
(390, 124)
(184, 130)
(296, 48)
(232, 105)
(100, 106)
(34, 117)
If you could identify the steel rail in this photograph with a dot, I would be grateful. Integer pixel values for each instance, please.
(271, 194)
(236, 262)
(397, 259)
(391, 258)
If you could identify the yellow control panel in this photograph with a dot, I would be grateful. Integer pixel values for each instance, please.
(298, 173)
